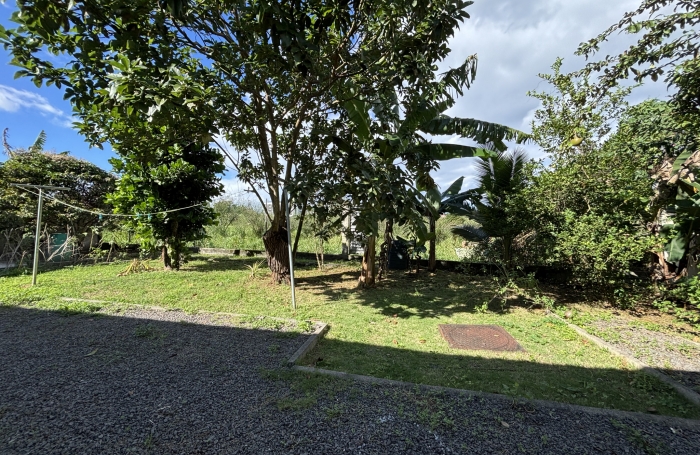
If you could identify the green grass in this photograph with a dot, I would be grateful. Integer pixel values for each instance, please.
(390, 331)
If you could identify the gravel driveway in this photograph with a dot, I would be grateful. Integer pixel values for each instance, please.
(169, 382)
(676, 356)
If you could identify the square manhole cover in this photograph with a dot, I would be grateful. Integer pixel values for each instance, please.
(478, 337)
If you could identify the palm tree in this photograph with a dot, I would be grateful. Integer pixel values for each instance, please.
(499, 176)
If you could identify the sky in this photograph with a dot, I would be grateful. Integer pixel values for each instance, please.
(514, 40)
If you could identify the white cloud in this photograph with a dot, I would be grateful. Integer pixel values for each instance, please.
(516, 40)
(13, 100)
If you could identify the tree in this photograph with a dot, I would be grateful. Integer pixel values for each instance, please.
(438, 203)
(178, 182)
(260, 76)
(571, 119)
(500, 177)
(590, 208)
(87, 186)
(669, 44)
(374, 188)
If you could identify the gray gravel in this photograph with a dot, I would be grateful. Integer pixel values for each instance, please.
(674, 355)
(145, 382)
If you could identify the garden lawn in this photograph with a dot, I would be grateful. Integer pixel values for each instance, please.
(390, 331)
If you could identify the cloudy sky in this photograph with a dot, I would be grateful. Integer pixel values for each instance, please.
(515, 40)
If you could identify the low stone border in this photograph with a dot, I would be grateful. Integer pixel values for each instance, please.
(688, 393)
(309, 344)
(669, 420)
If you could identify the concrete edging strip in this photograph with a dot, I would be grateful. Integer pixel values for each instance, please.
(680, 388)
(309, 344)
(670, 420)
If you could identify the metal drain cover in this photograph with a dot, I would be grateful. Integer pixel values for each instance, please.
(478, 337)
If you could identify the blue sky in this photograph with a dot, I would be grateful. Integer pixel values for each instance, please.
(514, 39)
(26, 110)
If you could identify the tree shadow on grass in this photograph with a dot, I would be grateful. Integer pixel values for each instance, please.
(410, 295)
(513, 376)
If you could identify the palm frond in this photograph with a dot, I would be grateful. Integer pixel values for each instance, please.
(421, 114)
(463, 76)
(444, 152)
(453, 189)
(478, 130)
(39, 142)
(470, 232)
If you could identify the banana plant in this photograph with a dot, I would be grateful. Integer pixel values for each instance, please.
(401, 130)
(438, 203)
(685, 209)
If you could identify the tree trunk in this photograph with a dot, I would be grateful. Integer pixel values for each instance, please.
(432, 263)
(277, 254)
(507, 251)
(166, 258)
(369, 271)
(384, 249)
(176, 247)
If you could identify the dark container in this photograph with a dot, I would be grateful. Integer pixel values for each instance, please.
(398, 256)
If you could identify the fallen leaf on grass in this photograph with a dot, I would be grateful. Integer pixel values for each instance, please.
(93, 352)
(505, 424)
(421, 341)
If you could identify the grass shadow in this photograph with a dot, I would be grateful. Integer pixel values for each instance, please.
(409, 295)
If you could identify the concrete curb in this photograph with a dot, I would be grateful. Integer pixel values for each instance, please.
(688, 393)
(309, 344)
(668, 420)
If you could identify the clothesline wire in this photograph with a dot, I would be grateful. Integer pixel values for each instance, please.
(122, 215)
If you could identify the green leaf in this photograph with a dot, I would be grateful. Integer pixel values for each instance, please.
(39, 142)
(454, 188)
(678, 162)
(478, 130)
(433, 197)
(443, 152)
(676, 248)
(470, 233)
(689, 187)
(358, 112)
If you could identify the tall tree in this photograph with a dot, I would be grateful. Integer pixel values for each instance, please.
(259, 76)
(668, 46)
(169, 195)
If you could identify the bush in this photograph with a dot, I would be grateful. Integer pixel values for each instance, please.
(682, 300)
